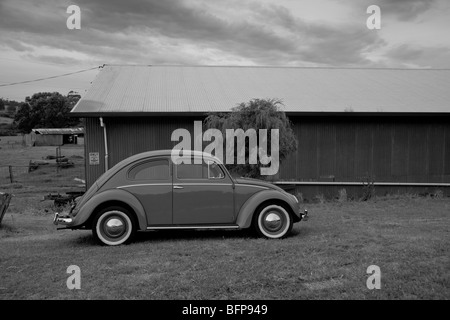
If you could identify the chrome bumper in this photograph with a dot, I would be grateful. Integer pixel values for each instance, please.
(57, 219)
(304, 215)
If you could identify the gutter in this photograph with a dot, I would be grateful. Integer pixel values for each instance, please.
(103, 125)
(95, 114)
(392, 184)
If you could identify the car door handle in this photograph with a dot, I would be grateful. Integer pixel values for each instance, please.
(177, 187)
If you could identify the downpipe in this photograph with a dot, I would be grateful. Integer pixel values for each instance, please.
(103, 125)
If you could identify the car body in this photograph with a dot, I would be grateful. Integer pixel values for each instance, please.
(149, 191)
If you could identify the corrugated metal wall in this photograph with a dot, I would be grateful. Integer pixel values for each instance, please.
(382, 148)
(93, 143)
(48, 140)
(348, 149)
(129, 136)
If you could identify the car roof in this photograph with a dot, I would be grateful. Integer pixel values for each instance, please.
(167, 152)
(148, 154)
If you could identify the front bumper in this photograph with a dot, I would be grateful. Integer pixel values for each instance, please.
(63, 219)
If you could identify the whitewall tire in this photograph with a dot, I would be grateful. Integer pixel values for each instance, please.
(273, 221)
(113, 226)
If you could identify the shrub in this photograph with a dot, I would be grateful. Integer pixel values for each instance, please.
(342, 195)
(439, 194)
(299, 196)
(320, 198)
(368, 189)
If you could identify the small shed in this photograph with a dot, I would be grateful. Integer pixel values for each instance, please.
(56, 136)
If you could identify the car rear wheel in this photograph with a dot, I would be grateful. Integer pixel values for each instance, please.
(113, 226)
(273, 221)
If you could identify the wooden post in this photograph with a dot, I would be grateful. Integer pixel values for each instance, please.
(58, 158)
(11, 176)
(5, 198)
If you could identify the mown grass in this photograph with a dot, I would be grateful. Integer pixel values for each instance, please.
(324, 258)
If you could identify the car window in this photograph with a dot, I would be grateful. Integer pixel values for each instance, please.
(214, 171)
(192, 171)
(206, 170)
(150, 170)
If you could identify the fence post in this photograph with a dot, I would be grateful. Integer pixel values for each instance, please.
(5, 198)
(11, 176)
(58, 156)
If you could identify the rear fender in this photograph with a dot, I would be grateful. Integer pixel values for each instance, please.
(111, 195)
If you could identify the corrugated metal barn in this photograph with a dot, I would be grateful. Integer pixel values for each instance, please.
(390, 126)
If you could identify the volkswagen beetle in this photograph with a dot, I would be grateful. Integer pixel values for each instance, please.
(149, 191)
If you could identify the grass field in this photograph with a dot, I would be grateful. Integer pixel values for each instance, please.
(47, 179)
(17, 155)
(325, 258)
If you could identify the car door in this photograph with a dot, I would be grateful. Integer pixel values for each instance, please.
(203, 194)
(151, 182)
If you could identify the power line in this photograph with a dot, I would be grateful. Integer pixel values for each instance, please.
(34, 62)
(53, 77)
(53, 86)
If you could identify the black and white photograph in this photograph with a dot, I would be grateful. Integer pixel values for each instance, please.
(224, 158)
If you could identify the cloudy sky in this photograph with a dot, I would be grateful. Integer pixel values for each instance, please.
(36, 43)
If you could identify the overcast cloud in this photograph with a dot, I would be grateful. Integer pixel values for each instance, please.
(35, 41)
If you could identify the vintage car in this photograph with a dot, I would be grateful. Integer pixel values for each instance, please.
(148, 191)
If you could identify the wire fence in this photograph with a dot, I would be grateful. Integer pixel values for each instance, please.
(44, 175)
(40, 168)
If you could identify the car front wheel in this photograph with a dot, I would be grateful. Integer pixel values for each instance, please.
(273, 221)
(113, 226)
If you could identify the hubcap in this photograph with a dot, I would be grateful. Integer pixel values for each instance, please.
(273, 221)
(114, 227)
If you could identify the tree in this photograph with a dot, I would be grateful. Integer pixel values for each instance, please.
(256, 114)
(10, 109)
(45, 110)
(2, 105)
(24, 120)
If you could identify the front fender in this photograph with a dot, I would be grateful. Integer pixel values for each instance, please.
(245, 215)
(117, 195)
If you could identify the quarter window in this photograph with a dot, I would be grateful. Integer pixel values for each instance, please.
(150, 170)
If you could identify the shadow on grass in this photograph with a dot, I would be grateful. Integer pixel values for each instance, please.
(191, 235)
(86, 240)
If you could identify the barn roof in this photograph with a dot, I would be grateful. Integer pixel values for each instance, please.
(59, 130)
(157, 90)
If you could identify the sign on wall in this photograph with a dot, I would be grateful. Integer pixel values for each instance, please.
(94, 158)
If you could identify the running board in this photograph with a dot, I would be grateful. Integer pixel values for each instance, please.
(192, 227)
